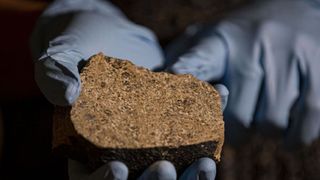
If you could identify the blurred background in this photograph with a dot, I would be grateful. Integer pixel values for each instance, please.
(25, 115)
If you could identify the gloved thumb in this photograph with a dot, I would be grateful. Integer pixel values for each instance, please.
(59, 81)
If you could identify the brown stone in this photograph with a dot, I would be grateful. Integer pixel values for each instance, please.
(131, 114)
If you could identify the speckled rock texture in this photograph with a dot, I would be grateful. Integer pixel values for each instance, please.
(131, 114)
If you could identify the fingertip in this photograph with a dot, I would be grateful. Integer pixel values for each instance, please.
(224, 94)
(222, 89)
(116, 170)
(72, 93)
(202, 169)
(160, 170)
(164, 168)
(206, 165)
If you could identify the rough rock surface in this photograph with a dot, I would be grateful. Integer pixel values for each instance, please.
(129, 113)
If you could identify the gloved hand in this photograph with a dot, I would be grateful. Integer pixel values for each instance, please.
(267, 55)
(70, 31)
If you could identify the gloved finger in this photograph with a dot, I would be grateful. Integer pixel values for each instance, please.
(59, 81)
(110, 171)
(97, 26)
(224, 93)
(280, 88)
(305, 123)
(244, 76)
(160, 170)
(202, 169)
(116, 37)
(206, 59)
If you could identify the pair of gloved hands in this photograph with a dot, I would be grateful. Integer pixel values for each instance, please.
(267, 55)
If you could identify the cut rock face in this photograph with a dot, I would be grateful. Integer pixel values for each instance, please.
(131, 114)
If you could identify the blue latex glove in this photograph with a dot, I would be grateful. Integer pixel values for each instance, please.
(70, 31)
(267, 55)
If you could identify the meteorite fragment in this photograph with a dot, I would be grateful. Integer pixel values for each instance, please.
(131, 114)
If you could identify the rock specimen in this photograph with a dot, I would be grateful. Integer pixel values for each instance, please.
(131, 114)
